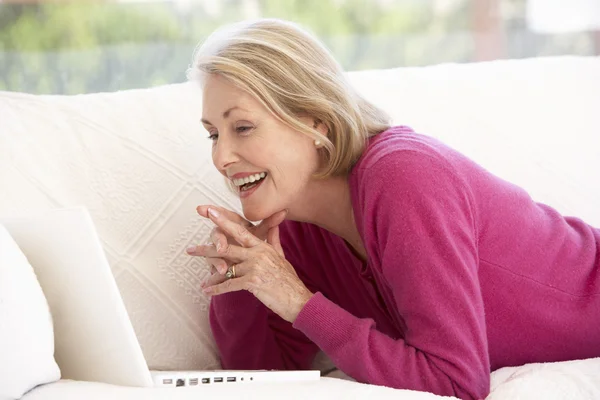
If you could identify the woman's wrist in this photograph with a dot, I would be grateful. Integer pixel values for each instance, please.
(300, 304)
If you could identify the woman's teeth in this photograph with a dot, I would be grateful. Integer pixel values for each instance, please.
(249, 179)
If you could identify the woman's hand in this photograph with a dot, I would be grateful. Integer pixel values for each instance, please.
(218, 266)
(260, 268)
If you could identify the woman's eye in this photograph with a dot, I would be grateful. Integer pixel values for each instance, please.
(213, 136)
(242, 129)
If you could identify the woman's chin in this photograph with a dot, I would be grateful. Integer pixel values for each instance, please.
(254, 214)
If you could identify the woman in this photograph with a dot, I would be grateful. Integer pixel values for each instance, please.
(408, 264)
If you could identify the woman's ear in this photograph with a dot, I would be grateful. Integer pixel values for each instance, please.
(321, 127)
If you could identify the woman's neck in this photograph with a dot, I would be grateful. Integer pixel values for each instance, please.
(327, 203)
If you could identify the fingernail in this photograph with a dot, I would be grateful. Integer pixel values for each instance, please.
(207, 290)
(213, 212)
(218, 246)
(191, 249)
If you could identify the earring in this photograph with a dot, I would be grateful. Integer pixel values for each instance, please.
(317, 143)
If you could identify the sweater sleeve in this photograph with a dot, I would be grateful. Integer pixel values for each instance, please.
(250, 336)
(419, 228)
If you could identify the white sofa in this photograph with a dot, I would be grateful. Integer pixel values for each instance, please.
(139, 162)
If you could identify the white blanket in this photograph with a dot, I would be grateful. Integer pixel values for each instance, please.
(567, 380)
(552, 381)
(326, 388)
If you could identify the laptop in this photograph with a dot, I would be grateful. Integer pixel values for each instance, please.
(94, 337)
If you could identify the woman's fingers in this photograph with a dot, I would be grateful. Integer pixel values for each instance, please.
(235, 217)
(231, 253)
(233, 229)
(261, 230)
(219, 239)
(240, 270)
(214, 279)
(224, 285)
(218, 264)
(229, 285)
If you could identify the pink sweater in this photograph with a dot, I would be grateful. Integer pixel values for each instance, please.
(466, 274)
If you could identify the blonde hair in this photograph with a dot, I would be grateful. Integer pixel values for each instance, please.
(292, 74)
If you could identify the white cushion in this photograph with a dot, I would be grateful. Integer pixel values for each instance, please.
(26, 335)
(93, 337)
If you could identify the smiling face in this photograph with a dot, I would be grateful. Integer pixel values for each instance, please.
(270, 163)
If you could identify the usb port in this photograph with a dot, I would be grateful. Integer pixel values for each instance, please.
(218, 380)
(193, 381)
(205, 380)
(167, 381)
(180, 382)
(231, 379)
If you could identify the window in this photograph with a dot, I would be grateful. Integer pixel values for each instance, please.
(70, 47)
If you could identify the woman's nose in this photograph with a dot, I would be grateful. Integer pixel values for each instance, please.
(224, 153)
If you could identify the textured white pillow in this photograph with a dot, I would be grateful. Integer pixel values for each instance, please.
(26, 334)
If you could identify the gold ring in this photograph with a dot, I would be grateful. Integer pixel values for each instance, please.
(230, 274)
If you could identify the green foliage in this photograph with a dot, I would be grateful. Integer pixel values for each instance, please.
(74, 47)
(53, 26)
